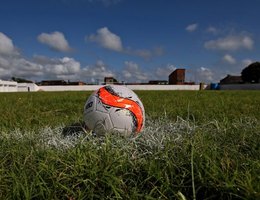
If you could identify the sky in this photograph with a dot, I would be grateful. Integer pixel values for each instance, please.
(131, 40)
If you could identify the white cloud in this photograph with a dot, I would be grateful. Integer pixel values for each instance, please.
(69, 69)
(4, 63)
(55, 41)
(229, 59)
(25, 68)
(164, 72)
(192, 27)
(107, 39)
(41, 67)
(12, 63)
(247, 62)
(4, 73)
(204, 74)
(132, 73)
(146, 53)
(63, 67)
(96, 72)
(212, 30)
(6, 45)
(230, 43)
(18, 66)
(43, 60)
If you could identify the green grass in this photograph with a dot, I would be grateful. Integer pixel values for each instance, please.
(196, 144)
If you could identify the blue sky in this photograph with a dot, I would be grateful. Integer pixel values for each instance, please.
(132, 40)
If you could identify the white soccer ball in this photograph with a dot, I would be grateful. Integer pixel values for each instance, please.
(114, 108)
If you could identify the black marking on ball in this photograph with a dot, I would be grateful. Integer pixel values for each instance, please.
(134, 121)
(89, 105)
(111, 91)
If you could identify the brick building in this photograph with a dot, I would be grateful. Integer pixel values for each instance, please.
(177, 77)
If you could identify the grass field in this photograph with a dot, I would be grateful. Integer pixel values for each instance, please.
(195, 145)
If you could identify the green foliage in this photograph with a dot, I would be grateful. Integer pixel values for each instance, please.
(251, 73)
(21, 80)
(202, 145)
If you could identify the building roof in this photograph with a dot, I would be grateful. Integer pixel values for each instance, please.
(176, 70)
(230, 79)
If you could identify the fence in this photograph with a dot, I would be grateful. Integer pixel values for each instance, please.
(132, 87)
(27, 87)
(8, 86)
(240, 87)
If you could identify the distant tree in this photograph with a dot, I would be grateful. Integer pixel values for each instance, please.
(251, 73)
(21, 80)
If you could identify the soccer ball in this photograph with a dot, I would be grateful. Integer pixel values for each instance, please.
(114, 108)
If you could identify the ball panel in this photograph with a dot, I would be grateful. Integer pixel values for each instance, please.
(102, 107)
(122, 119)
(90, 105)
(98, 121)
